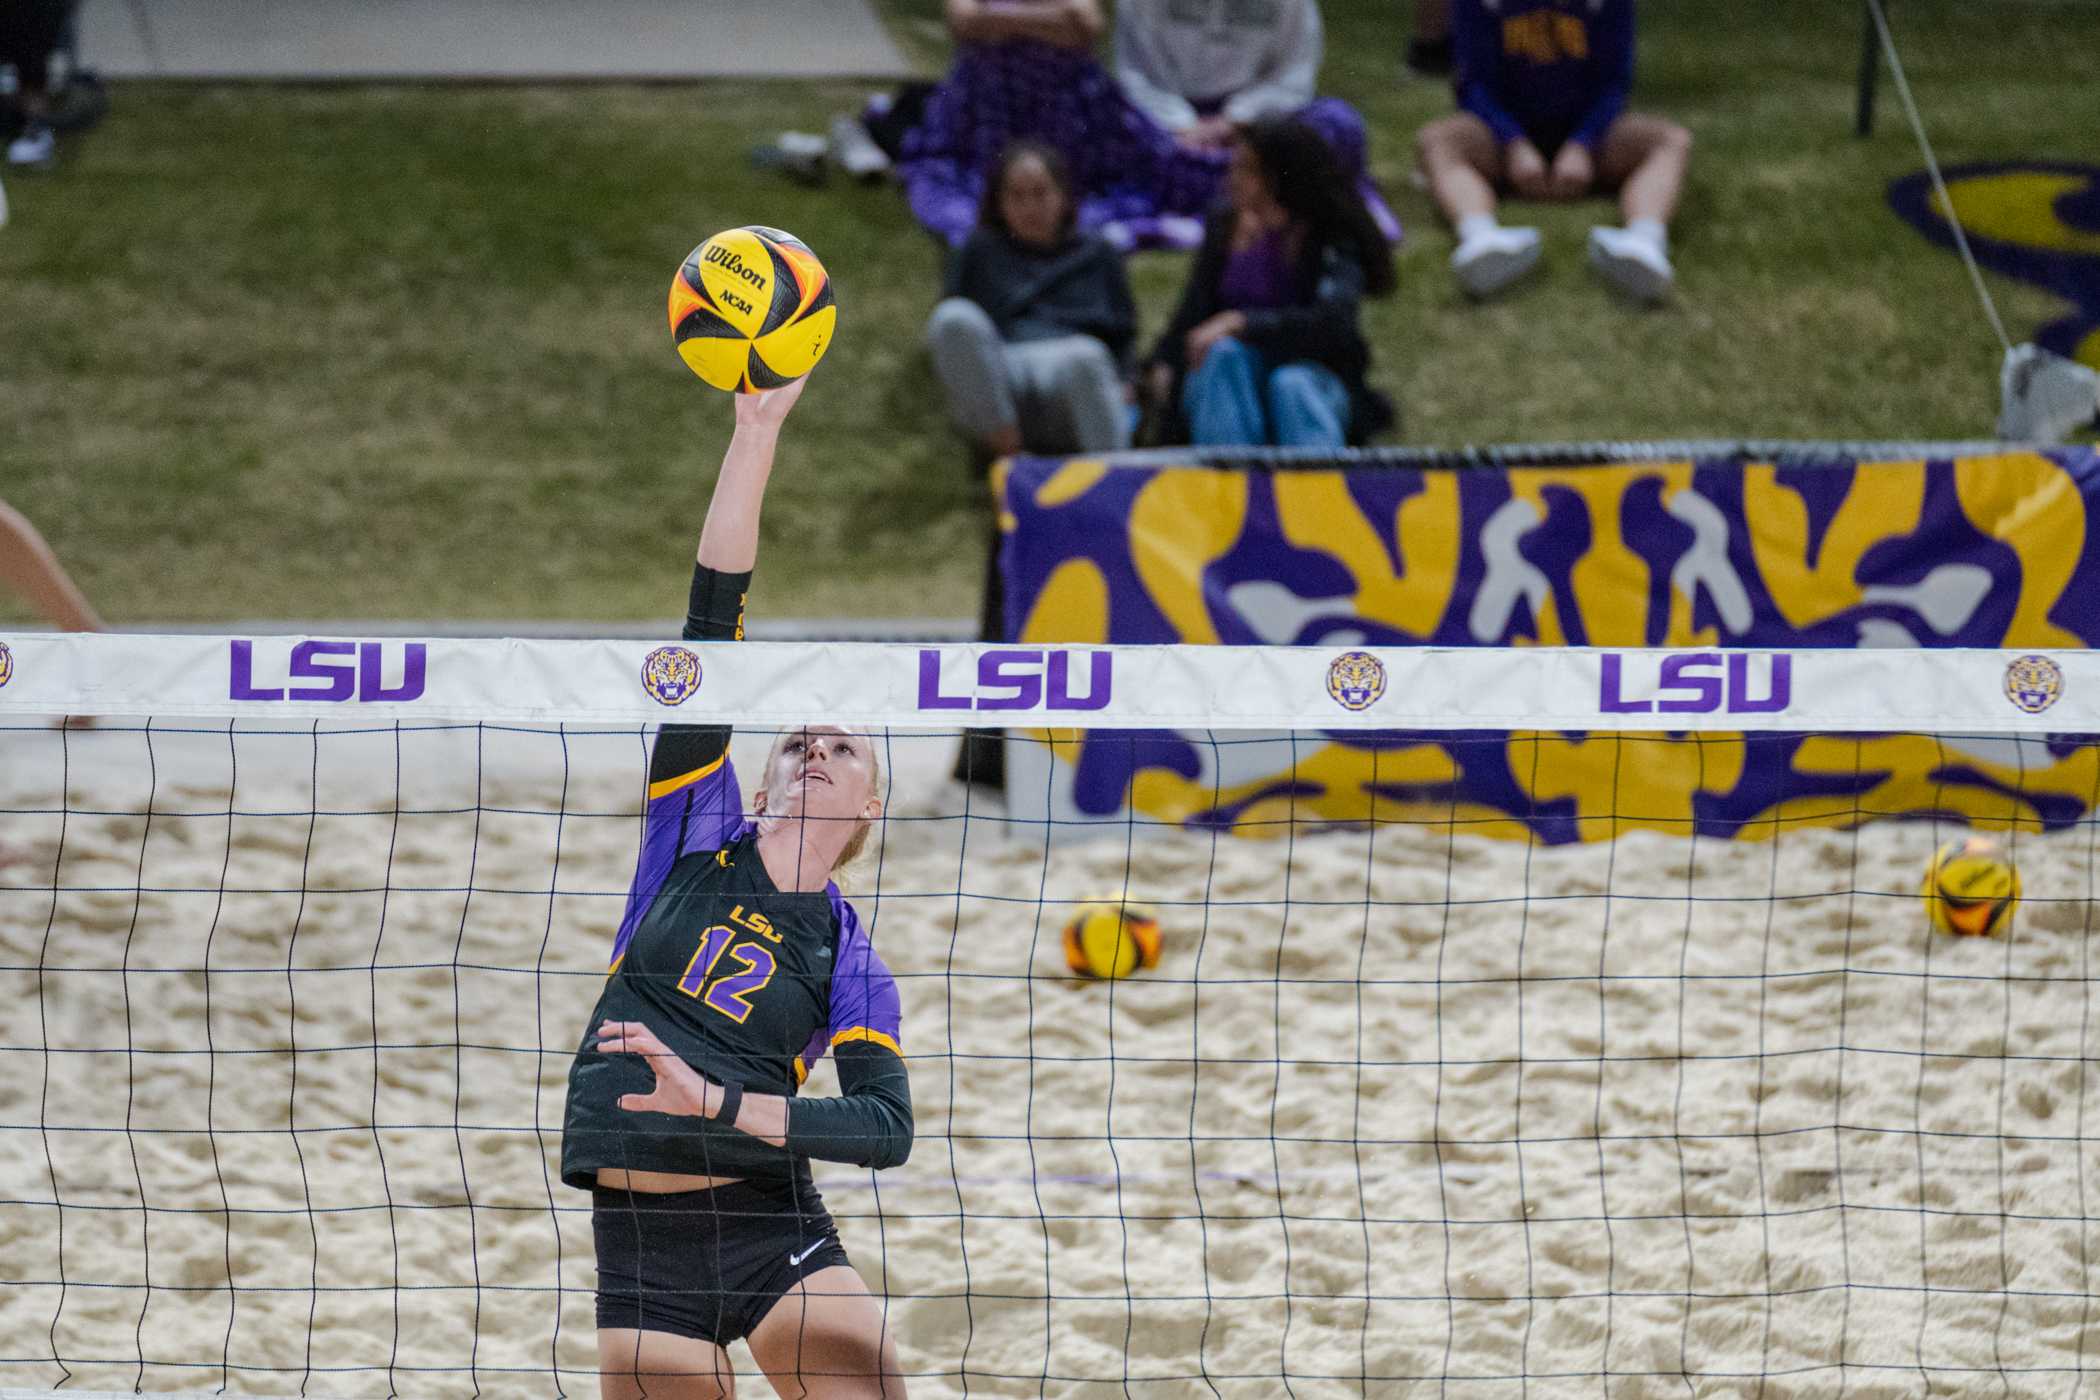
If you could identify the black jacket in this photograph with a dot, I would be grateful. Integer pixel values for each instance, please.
(1078, 288)
(1322, 326)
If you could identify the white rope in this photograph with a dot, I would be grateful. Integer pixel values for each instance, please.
(1917, 125)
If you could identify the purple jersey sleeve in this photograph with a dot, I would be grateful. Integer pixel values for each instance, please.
(698, 811)
(864, 1002)
(1611, 55)
(1476, 46)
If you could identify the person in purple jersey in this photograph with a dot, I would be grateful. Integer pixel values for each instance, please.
(737, 965)
(1542, 88)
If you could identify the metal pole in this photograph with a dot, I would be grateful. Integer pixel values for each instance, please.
(1869, 73)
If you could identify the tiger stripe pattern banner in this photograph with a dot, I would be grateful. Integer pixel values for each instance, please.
(1983, 551)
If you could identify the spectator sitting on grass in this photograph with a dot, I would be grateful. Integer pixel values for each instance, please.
(1265, 345)
(1026, 69)
(1203, 68)
(1543, 87)
(1032, 336)
(29, 33)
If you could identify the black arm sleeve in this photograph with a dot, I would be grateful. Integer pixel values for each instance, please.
(714, 613)
(869, 1125)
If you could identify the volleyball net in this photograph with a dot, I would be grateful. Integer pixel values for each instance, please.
(1583, 1091)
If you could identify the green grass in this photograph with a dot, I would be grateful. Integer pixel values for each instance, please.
(398, 351)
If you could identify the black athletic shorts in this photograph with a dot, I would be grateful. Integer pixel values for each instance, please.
(707, 1264)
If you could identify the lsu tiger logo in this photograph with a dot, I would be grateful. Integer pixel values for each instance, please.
(671, 675)
(1355, 680)
(7, 664)
(2033, 683)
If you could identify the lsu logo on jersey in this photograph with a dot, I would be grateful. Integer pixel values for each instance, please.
(2035, 220)
(1545, 37)
(7, 664)
(671, 675)
(754, 921)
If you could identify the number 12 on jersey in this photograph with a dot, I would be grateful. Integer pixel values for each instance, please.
(730, 994)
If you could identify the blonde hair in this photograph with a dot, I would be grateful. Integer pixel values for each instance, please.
(859, 840)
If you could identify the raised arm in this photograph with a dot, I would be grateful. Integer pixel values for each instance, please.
(729, 537)
(722, 567)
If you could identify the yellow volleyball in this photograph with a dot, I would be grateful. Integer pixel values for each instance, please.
(752, 308)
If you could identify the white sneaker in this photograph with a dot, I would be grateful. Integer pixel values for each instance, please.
(855, 150)
(799, 155)
(1493, 258)
(1632, 264)
(35, 146)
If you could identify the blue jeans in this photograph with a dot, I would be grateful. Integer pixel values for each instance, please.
(1234, 399)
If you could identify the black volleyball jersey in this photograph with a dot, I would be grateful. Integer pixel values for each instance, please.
(747, 983)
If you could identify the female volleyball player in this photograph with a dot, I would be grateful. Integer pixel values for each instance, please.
(737, 965)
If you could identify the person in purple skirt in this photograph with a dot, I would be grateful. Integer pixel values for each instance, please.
(1026, 69)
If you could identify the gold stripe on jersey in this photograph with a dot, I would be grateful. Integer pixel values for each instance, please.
(671, 785)
(873, 1037)
(801, 1070)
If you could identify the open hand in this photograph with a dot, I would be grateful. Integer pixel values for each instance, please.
(679, 1087)
(768, 408)
(1209, 332)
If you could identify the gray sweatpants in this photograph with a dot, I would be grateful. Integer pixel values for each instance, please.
(1065, 395)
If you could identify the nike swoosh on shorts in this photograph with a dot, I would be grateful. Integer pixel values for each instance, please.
(798, 1258)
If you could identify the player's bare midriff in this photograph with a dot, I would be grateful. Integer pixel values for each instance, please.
(659, 1183)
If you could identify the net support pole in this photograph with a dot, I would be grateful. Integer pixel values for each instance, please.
(1869, 72)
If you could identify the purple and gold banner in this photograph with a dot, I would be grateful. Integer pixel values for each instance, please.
(1986, 551)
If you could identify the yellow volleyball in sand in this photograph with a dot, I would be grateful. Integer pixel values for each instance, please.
(1971, 887)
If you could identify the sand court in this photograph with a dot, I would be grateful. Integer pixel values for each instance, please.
(291, 1049)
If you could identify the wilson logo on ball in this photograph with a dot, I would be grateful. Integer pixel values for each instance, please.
(751, 309)
(730, 262)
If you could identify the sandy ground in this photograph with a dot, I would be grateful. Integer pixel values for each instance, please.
(1397, 1106)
